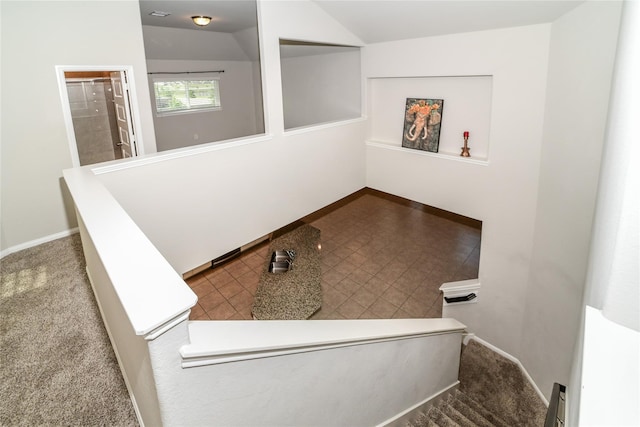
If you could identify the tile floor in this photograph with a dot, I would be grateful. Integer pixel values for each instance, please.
(380, 259)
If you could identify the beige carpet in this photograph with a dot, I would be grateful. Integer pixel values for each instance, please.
(493, 392)
(57, 367)
(500, 386)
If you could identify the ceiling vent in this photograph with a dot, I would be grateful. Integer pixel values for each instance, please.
(159, 13)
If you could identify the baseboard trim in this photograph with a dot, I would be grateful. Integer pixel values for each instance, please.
(508, 356)
(461, 219)
(412, 413)
(37, 242)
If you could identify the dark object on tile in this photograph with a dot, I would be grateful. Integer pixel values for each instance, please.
(279, 267)
(226, 257)
(463, 298)
(278, 256)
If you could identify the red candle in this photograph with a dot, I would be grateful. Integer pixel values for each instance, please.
(466, 134)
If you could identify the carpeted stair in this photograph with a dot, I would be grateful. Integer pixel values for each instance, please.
(458, 410)
(493, 392)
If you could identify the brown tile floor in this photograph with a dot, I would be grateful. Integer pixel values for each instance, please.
(380, 259)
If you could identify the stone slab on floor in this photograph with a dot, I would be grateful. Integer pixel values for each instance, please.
(297, 293)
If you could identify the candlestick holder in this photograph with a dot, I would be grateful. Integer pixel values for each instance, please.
(465, 149)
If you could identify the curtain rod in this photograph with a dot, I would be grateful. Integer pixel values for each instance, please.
(187, 72)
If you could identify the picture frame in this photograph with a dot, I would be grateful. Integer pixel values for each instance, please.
(422, 122)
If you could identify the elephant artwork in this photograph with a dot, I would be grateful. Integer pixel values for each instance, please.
(422, 121)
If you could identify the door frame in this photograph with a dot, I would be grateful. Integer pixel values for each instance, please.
(134, 109)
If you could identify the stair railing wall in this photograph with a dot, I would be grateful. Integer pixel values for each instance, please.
(359, 372)
(331, 376)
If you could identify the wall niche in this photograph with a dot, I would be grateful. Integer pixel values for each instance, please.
(466, 107)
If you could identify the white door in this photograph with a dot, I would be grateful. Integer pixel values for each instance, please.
(126, 136)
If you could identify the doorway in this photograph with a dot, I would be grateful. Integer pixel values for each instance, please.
(98, 114)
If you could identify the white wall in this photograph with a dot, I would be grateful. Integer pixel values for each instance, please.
(236, 118)
(216, 201)
(191, 45)
(35, 146)
(605, 378)
(579, 80)
(501, 192)
(248, 40)
(319, 88)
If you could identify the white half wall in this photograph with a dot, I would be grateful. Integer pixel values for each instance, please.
(502, 191)
(580, 69)
(35, 147)
(131, 350)
(203, 205)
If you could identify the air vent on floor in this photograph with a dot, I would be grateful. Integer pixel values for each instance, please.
(226, 257)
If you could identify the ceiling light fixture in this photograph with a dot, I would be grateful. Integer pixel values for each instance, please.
(201, 20)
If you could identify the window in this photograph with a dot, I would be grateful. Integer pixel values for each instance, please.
(184, 95)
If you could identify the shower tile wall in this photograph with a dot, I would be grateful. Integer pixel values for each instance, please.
(94, 120)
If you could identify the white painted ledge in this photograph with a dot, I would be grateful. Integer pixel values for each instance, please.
(176, 153)
(461, 288)
(325, 125)
(151, 293)
(441, 155)
(213, 342)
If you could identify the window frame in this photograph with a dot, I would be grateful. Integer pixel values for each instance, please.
(176, 78)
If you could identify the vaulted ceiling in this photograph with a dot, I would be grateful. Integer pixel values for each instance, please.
(372, 21)
(375, 21)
